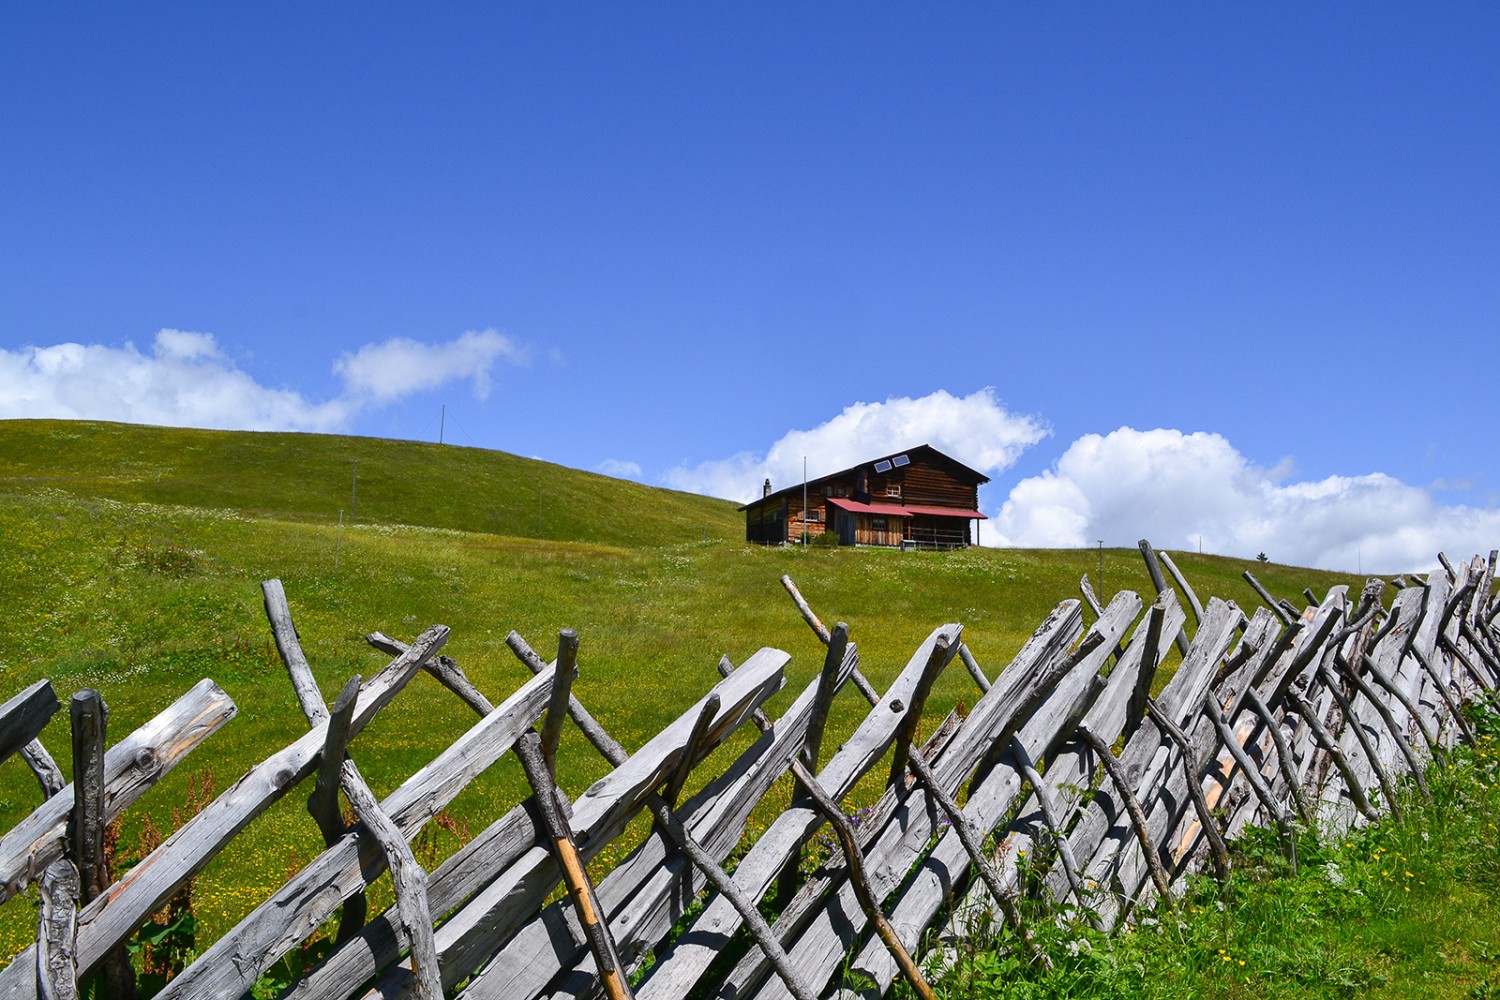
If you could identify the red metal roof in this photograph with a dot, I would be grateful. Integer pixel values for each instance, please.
(893, 510)
(948, 512)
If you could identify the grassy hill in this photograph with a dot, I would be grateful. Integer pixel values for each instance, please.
(314, 477)
(133, 557)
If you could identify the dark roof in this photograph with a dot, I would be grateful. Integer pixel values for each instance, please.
(924, 449)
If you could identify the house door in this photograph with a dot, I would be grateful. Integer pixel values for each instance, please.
(843, 523)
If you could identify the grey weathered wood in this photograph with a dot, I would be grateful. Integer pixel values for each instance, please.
(323, 803)
(1331, 748)
(562, 688)
(1181, 581)
(1250, 770)
(706, 713)
(1355, 726)
(972, 665)
(1099, 832)
(90, 719)
(943, 870)
(1191, 767)
(1152, 651)
(821, 631)
(603, 742)
(299, 907)
(1153, 569)
(648, 891)
(1413, 711)
(970, 839)
(1455, 713)
(442, 667)
(112, 917)
(942, 653)
(24, 716)
(903, 820)
(575, 877)
(1089, 596)
(48, 775)
(1127, 794)
(408, 879)
(1051, 817)
(838, 642)
(1393, 728)
(1270, 602)
(854, 860)
(57, 932)
(679, 967)
(1285, 761)
(132, 766)
(284, 632)
(520, 877)
(90, 724)
(1448, 567)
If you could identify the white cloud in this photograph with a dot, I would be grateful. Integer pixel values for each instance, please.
(1176, 488)
(185, 380)
(400, 367)
(976, 429)
(619, 469)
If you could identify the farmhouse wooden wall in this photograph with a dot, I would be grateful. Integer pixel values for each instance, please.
(1296, 713)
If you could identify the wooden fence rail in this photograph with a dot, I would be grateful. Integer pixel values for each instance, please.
(1086, 787)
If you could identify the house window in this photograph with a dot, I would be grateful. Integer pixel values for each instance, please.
(815, 515)
(893, 490)
(877, 524)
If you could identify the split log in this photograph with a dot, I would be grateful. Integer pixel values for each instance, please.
(233, 963)
(133, 765)
(504, 877)
(649, 891)
(23, 717)
(1153, 569)
(48, 775)
(678, 968)
(57, 933)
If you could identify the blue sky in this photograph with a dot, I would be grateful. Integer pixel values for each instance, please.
(1172, 270)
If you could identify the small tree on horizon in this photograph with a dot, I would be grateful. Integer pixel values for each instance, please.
(1262, 557)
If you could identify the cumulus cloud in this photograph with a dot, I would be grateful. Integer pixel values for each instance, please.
(619, 469)
(1176, 488)
(400, 367)
(976, 429)
(186, 380)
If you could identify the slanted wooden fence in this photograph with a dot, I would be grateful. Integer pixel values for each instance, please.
(1318, 713)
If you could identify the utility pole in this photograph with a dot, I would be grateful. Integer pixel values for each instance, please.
(804, 503)
(354, 490)
(1102, 591)
(442, 420)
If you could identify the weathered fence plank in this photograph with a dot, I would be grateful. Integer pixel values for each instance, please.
(132, 766)
(23, 717)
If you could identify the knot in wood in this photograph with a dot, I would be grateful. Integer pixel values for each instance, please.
(897, 705)
(144, 759)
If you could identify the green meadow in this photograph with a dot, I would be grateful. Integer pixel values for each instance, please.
(133, 556)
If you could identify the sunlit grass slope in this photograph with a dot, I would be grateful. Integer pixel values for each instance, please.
(132, 560)
(313, 477)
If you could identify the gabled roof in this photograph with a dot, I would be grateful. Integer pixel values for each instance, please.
(924, 450)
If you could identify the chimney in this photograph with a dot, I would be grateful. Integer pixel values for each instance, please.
(766, 489)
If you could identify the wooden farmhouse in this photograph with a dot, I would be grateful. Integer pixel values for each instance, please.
(919, 498)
